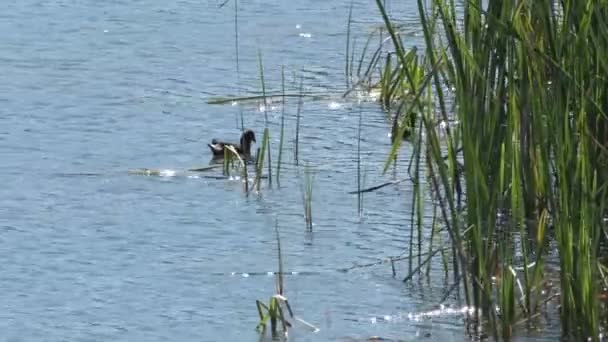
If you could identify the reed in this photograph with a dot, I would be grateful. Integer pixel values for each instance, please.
(273, 312)
(418, 198)
(260, 159)
(278, 303)
(237, 62)
(347, 67)
(307, 187)
(227, 162)
(298, 115)
(528, 80)
(282, 125)
(221, 100)
(280, 282)
(230, 153)
(362, 76)
(266, 142)
(359, 183)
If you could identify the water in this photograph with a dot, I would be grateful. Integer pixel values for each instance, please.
(89, 252)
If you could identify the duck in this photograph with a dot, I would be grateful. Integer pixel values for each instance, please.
(243, 148)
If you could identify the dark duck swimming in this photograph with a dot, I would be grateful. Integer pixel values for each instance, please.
(243, 148)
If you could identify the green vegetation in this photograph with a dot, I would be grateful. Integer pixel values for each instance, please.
(260, 158)
(282, 138)
(275, 310)
(307, 187)
(298, 116)
(528, 83)
(505, 107)
(266, 140)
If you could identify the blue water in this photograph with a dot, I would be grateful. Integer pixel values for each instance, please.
(91, 89)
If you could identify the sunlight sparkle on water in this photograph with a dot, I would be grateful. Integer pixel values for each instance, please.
(167, 173)
(334, 105)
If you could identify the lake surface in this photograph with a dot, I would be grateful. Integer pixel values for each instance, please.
(90, 252)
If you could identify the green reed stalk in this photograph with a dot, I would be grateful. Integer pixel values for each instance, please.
(266, 132)
(280, 282)
(298, 115)
(347, 67)
(386, 83)
(352, 62)
(230, 153)
(227, 162)
(359, 194)
(260, 158)
(282, 125)
(530, 90)
(362, 57)
(307, 196)
(246, 176)
(435, 236)
(237, 61)
(363, 185)
(417, 208)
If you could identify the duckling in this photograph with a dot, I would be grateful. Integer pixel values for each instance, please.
(244, 148)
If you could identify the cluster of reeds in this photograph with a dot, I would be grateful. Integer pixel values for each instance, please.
(274, 312)
(263, 156)
(526, 85)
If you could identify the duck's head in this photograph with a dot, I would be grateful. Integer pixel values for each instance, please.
(247, 137)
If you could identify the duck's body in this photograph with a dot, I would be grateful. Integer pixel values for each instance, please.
(243, 148)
